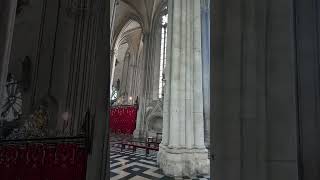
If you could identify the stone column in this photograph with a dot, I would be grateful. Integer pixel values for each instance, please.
(97, 165)
(156, 59)
(205, 24)
(7, 20)
(114, 6)
(308, 82)
(135, 67)
(140, 117)
(124, 76)
(182, 151)
(112, 65)
(82, 67)
(148, 67)
(113, 54)
(131, 78)
(254, 113)
(139, 131)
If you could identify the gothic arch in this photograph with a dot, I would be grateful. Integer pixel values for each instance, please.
(121, 28)
(124, 33)
(124, 38)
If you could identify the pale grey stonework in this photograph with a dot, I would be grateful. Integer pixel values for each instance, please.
(182, 151)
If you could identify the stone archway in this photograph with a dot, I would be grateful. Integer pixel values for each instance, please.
(124, 56)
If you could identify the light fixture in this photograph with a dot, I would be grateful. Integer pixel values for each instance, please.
(65, 116)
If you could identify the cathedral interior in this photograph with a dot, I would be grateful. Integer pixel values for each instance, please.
(143, 38)
(159, 89)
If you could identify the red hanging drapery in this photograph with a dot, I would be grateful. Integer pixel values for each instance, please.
(123, 119)
(43, 162)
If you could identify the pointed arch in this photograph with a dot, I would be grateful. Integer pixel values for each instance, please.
(123, 28)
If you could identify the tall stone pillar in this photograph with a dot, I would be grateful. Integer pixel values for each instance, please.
(156, 59)
(182, 150)
(112, 65)
(113, 54)
(134, 76)
(140, 117)
(81, 92)
(124, 76)
(205, 34)
(7, 20)
(138, 132)
(255, 123)
(131, 78)
(114, 6)
(134, 86)
(97, 165)
(308, 83)
(148, 67)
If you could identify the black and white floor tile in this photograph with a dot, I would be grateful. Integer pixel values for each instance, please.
(127, 165)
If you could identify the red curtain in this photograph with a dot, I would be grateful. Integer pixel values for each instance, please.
(43, 162)
(123, 119)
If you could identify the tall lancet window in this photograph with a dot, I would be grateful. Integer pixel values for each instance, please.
(163, 53)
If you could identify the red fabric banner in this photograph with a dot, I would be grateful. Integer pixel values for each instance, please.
(41, 162)
(123, 119)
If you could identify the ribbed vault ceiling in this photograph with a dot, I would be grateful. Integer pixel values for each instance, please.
(142, 11)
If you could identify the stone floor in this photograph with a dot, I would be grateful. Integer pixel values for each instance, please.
(127, 165)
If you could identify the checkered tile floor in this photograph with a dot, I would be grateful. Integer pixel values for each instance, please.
(127, 165)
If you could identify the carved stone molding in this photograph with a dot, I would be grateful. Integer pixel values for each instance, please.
(154, 118)
(183, 162)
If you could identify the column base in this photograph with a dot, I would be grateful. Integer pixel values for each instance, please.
(181, 162)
